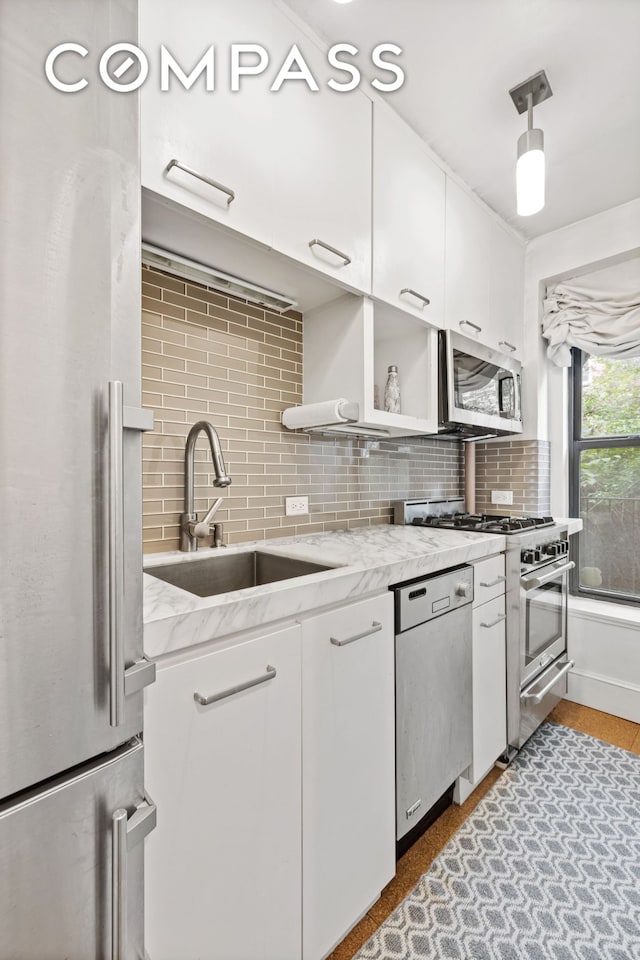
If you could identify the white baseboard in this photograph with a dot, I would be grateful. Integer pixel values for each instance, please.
(606, 694)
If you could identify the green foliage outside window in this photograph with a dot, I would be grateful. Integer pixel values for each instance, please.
(609, 477)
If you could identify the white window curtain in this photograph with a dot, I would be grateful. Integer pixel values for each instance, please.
(598, 313)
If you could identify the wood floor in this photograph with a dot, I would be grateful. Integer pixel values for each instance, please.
(417, 860)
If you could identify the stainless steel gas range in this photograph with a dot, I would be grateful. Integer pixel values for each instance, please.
(536, 568)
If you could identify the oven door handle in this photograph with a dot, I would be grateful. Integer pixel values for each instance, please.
(540, 581)
(539, 697)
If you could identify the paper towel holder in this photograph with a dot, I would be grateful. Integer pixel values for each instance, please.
(313, 417)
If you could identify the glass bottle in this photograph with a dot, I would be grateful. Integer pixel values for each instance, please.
(392, 391)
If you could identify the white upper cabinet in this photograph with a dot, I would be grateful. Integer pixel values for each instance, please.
(484, 277)
(226, 139)
(290, 168)
(468, 260)
(506, 292)
(408, 220)
(321, 155)
(329, 179)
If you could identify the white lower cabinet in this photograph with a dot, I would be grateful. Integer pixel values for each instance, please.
(223, 870)
(276, 800)
(489, 679)
(489, 686)
(348, 767)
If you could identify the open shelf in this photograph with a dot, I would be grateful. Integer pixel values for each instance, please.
(348, 346)
(410, 344)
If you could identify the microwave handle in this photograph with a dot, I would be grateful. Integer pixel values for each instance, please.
(511, 411)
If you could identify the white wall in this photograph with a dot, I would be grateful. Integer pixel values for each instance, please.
(580, 248)
(605, 646)
(604, 638)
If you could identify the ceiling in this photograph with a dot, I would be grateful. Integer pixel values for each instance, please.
(462, 56)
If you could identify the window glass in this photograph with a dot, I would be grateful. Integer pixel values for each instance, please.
(610, 397)
(610, 509)
(605, 476)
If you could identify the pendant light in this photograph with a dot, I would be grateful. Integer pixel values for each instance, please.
(530, 166)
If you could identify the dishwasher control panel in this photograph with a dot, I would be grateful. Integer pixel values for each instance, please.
(421, 600)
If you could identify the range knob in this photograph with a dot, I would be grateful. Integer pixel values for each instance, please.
(557, 548)
(464, 589)
(528, 556)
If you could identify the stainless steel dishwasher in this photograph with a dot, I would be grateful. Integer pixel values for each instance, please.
(433, 696)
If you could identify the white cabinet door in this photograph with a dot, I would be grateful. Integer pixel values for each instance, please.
(223, 871)
(506, 292)
(321, 157)
(408, 219)
(467, 264)
(348, 768)
(221, 135)
(489, 686)
(488, 579)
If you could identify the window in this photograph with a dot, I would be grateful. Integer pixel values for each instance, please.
(604, 480)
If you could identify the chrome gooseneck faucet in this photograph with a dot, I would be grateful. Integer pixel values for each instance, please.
(192, 529)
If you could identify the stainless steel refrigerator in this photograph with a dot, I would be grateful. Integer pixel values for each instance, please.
(73, 810)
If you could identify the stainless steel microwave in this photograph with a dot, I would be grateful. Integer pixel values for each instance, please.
(480, 389)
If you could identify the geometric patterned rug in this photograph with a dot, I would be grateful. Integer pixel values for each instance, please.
(547, 866)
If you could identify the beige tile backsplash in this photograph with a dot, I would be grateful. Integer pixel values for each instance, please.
(523, 466)
(209, 356)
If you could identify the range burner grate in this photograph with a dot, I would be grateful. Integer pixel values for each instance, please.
(483, 522)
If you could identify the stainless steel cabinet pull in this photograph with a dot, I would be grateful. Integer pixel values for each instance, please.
(498, 619)
(539, 697)
(326, 246)
(509, 346)
(407, 291)
(214, 697)
(228, 192)
(375, 628)
(126, 833)
(493, 583)
(121, 682)
(474, 326)
(540, 581)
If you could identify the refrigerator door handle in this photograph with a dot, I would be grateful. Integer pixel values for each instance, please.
(119, 419)
(127, 832)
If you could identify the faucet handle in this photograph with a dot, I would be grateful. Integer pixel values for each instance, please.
(204, 528)
(201, 530)
(209, 515)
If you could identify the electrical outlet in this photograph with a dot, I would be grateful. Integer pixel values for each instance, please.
(505, 497)
(296, 506)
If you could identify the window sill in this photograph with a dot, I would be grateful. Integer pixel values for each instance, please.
(604, 611)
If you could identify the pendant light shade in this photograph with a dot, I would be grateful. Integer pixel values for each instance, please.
(530, 173)
(530, 166)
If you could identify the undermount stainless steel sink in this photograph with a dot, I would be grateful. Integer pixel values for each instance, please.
(232, 571)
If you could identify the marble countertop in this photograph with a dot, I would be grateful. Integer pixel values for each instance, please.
(572, 523)
(364, 561)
